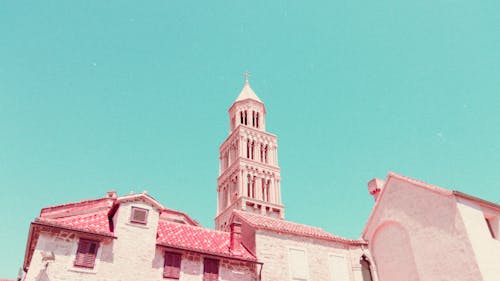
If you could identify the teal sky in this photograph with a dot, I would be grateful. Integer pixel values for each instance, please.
(133, 96)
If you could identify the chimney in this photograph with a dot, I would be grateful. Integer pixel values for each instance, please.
(111, 194)
(235, 238)
(375, 187)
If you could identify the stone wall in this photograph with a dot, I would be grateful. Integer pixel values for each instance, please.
(132, 256)
(273, 250)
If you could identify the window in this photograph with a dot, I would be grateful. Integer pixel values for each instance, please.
(338, 267)
(139, 215)
(210, 270)
(86, 253)
(365, 268)
(298, 264)
(172, 266)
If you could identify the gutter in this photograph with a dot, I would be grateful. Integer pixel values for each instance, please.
(73, 229)
(207, 253)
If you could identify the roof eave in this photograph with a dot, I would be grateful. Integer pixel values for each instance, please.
(206, 252)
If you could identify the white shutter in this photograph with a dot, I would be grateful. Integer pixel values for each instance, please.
(299, 269)
(339, 268)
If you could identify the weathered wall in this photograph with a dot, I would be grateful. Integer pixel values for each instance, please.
(132, 256)
(439, 244)
(273, 249)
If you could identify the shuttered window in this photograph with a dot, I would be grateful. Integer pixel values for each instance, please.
(86, 253)
(299, 267)
(172, 267)
(210, 270)
(339, 267)
(139, 215)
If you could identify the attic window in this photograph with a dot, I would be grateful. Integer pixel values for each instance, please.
(139, 215)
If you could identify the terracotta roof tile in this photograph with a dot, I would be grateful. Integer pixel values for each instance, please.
(198, 239)
(283, 226)
(96, 222)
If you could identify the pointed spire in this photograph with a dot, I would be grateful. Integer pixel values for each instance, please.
(247, 76)
(247, 92)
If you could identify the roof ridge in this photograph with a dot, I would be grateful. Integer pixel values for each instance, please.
(323, 234)
(429, 186)
(74, 203)
(195, 227)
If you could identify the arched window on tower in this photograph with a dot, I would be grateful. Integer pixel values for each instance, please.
(249, 186)
(266, 149)
(248, 149)
(253, 187)
(261, 153)
(365, 268)
(241, 117)
(264, 192)
(268, 190)
(253, 118)
(253, 150)
(246, 115)
(257, 120)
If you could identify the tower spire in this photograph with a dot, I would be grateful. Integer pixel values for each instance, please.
(247, 76)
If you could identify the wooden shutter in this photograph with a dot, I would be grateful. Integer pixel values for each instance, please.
(210, 270)
(172, 267)
(86, 253)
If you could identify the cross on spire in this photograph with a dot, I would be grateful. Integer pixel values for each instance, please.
(247, 76)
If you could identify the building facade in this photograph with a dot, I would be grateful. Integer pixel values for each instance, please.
(416, 231)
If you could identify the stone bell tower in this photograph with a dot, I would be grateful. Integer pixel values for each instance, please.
(249, 176)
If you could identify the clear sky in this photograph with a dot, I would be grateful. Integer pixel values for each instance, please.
(133, 96)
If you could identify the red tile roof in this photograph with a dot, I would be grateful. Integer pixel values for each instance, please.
(92, 216)
(198, 239)
(288, 227)
(94, 222)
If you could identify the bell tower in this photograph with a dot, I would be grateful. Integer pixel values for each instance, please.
(249, 175)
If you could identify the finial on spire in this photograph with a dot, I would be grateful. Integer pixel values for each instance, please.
(247, 76)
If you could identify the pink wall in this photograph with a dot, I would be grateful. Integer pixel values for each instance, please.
(429, 227)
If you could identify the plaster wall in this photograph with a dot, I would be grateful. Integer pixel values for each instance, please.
(63, 246)
(273, 250)
(439, 245)
(486, 248)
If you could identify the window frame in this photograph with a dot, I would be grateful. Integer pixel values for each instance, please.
(85, 262)
(132, 212)
(174, 272)
(290, 266)
(210, 276)
(333, 270)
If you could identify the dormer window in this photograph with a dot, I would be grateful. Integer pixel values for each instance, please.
(139, 215)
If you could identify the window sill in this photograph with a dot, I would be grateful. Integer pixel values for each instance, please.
(92, 271)
(139, 225)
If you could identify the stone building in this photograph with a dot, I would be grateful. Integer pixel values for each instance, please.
(416, 231)
(419, 231)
